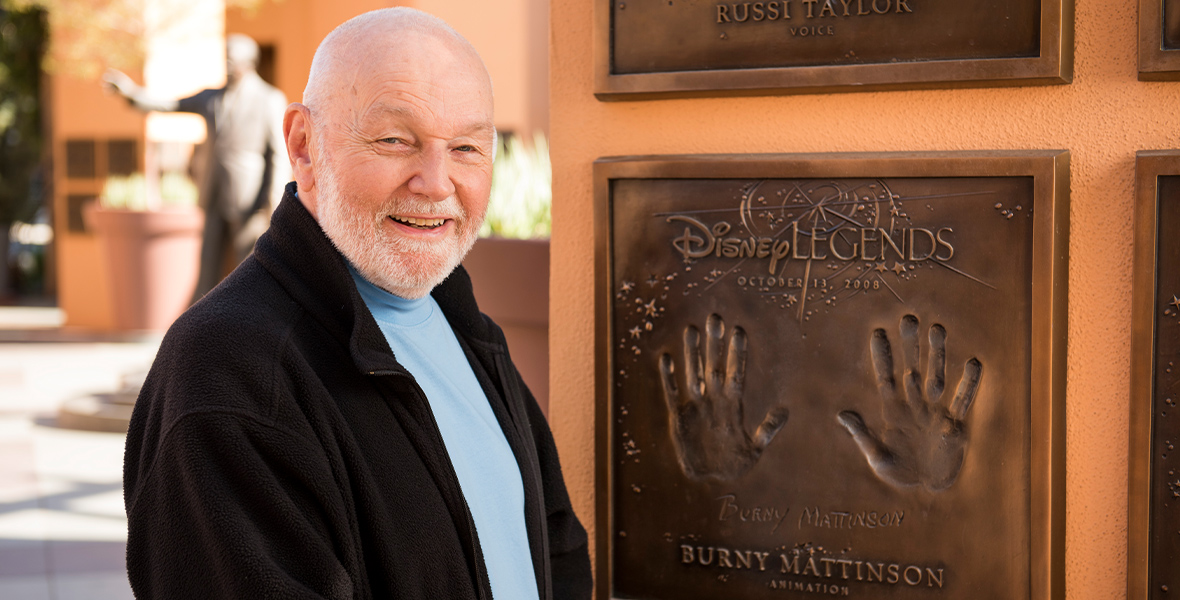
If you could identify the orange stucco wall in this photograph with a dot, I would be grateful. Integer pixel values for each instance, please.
(509, 35)
(296, 27)
(505, 33)
(1103, 118)
(80, 109)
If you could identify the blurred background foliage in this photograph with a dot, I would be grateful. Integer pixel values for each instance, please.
(23, 38)
(130, 192)
(521, 190)
(24, 161)
(92, 35)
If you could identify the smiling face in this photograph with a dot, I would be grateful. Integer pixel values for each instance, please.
(399, 165)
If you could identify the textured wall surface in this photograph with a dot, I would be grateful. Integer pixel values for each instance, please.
(506, 33)
(1102, 118)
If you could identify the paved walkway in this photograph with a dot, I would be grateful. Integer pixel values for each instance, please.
(62, 526)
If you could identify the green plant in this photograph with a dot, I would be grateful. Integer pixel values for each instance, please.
(522, 190)
(23, 37)
(131, 192)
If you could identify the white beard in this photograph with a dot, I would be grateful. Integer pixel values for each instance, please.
(401, 266)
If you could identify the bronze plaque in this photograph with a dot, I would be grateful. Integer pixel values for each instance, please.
(1159, 40)
(831, 374)
(649, 48)
(1154, 494)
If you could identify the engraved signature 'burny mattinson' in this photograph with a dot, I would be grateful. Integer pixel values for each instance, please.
(733, 509)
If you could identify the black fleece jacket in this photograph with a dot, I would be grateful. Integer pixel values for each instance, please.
(278, 449)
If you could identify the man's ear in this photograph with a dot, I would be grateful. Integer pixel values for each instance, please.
(297, 131)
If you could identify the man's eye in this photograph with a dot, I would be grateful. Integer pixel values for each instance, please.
(391, 140)
(466, 148)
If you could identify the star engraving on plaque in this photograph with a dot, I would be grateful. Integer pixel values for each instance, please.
(635, 331)
(898, 268)
(650, 308)
(880, 268)
(1175, 302)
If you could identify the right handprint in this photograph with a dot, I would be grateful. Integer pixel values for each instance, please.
(924, 438)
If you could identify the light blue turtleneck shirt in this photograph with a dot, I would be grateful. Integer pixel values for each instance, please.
(423, 342)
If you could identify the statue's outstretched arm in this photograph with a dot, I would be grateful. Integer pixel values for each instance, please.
(138, 96)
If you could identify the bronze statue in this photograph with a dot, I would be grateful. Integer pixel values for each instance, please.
(244, 156)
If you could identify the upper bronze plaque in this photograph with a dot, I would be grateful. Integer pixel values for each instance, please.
(651, 48)
(831, 374)
(1153, 522)
(1159, 40)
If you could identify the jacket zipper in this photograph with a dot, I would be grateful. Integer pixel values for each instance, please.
(477, 552)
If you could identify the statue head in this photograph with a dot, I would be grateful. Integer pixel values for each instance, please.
(241, 57)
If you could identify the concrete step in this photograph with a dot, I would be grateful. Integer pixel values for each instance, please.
(98, 412)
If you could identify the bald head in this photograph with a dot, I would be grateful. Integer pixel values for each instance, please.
(381, 38)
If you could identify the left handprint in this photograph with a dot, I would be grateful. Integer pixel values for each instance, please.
(706, 414)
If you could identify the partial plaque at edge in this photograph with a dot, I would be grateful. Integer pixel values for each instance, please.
(1159, 40)
(763, 433)
(1154, 494)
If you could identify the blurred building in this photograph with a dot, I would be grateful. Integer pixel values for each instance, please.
(95, 135)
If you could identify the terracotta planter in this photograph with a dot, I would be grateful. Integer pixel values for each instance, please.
(152, 259)
(511, 281)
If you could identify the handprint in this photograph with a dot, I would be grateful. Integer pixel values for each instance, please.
(924, 439)
(706, 415)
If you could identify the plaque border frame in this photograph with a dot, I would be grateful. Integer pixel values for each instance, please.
(1050, 171)
(1053, 65)
(1155, 63)
(1150, 165)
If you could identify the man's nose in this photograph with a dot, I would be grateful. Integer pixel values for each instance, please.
(433, 178)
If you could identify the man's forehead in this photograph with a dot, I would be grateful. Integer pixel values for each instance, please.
(392, 69)
(461, 117)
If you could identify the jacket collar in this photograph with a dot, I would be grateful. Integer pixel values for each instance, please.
(297, 253)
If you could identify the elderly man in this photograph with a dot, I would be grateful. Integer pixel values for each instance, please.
(241, 164)
(337, 419)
